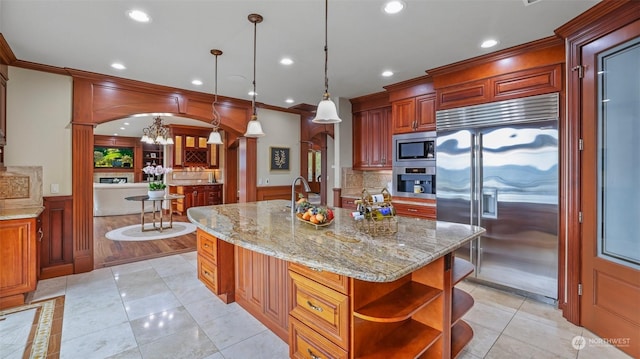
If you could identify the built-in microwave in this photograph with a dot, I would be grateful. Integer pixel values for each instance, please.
(414, 149)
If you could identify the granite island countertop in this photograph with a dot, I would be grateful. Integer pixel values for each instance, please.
(267, 227)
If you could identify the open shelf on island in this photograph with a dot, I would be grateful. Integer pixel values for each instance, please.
(461, 303)
(408, 341)
(399, 304)
(461, 269)
(461, 335)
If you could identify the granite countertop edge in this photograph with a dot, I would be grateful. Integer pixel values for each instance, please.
(20, 212)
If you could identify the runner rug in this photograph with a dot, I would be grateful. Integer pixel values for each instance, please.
(32, 329)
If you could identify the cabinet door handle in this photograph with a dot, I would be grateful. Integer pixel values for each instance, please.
(316, 308)
(313, 356)
(40, 234)
(412, 210)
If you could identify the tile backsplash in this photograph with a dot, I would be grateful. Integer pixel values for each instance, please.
(354, 181)
(21, 187)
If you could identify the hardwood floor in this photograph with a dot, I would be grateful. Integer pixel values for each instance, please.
(109, 253)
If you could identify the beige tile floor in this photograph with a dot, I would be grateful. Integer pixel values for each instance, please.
(158, 309)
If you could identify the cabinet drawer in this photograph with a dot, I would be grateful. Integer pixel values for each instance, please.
(304, 343)
(415, 210)
(334, 281)
(207, 246)
(207, 273)
(323, 309)
(349, 203)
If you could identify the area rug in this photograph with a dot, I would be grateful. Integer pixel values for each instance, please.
(134, 232)
(34, 329)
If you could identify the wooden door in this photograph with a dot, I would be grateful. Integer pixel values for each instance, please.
(360, 140)
(610, 175)
(403, 113)
(378, 139)
(426, 113)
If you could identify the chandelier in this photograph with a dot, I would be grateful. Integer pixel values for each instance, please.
(157, 133)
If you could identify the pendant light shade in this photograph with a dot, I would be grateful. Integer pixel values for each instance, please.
(214, 137)
(254, 128)
(326, 112)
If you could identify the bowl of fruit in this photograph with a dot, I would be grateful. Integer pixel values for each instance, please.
(315, 215)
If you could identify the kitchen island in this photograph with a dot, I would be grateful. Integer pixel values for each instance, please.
(337, 291)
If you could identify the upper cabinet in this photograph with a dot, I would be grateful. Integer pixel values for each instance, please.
(413, 105)
(414, 114)
(371, 132)
(372, 139)
(191, 149)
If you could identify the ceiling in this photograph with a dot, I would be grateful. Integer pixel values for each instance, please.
(174, 48)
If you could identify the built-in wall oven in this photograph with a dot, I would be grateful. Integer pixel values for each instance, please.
(414, 165)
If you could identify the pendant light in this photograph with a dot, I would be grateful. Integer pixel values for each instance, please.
(254, 128)
(326, 112)
(214, 137)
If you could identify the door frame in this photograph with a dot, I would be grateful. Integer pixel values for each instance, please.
(603, 18)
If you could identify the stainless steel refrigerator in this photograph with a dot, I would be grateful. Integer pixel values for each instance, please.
(497, 167)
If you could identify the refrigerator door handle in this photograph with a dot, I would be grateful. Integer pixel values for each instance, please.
(472, 183)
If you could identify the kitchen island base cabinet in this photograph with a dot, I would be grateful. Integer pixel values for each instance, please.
(215, 265)
(263, 289)
(416, 316)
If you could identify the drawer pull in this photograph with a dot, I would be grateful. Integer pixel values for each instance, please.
(207, 274)
(315, 269)
(412, 210)
(206, 245)
(316, 308)
(313, 356)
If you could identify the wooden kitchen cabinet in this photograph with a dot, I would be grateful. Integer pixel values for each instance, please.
(414, 114)
(196, 195)
(215, 265)
(190, 148)
(263, 289)
(372, 139)
(422, 209)
(18, 263)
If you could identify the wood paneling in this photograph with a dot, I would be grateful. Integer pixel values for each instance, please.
(56, 248)
(263, 289)
(82, 187)
(265, 193)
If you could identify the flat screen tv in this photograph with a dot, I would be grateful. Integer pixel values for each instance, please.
(112, 157)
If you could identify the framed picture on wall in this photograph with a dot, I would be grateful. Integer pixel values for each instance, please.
(279, 159)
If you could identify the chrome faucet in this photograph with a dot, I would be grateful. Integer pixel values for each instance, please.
(293, 192)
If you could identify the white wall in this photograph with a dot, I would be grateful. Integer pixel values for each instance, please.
(281, 130)
(39, 110)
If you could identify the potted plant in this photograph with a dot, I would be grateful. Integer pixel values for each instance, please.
(156, 184)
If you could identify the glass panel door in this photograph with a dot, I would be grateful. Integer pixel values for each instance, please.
(619, 154)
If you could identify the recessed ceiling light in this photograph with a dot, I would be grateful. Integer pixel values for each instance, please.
(118, 66)
(394, 6)
(126, 123)
(139, 15)
(251, 93)
(197, 82)
(122, 128)
(289, 100)
(489, 43)
(387, 73)
(115, 134)
(286, 61)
